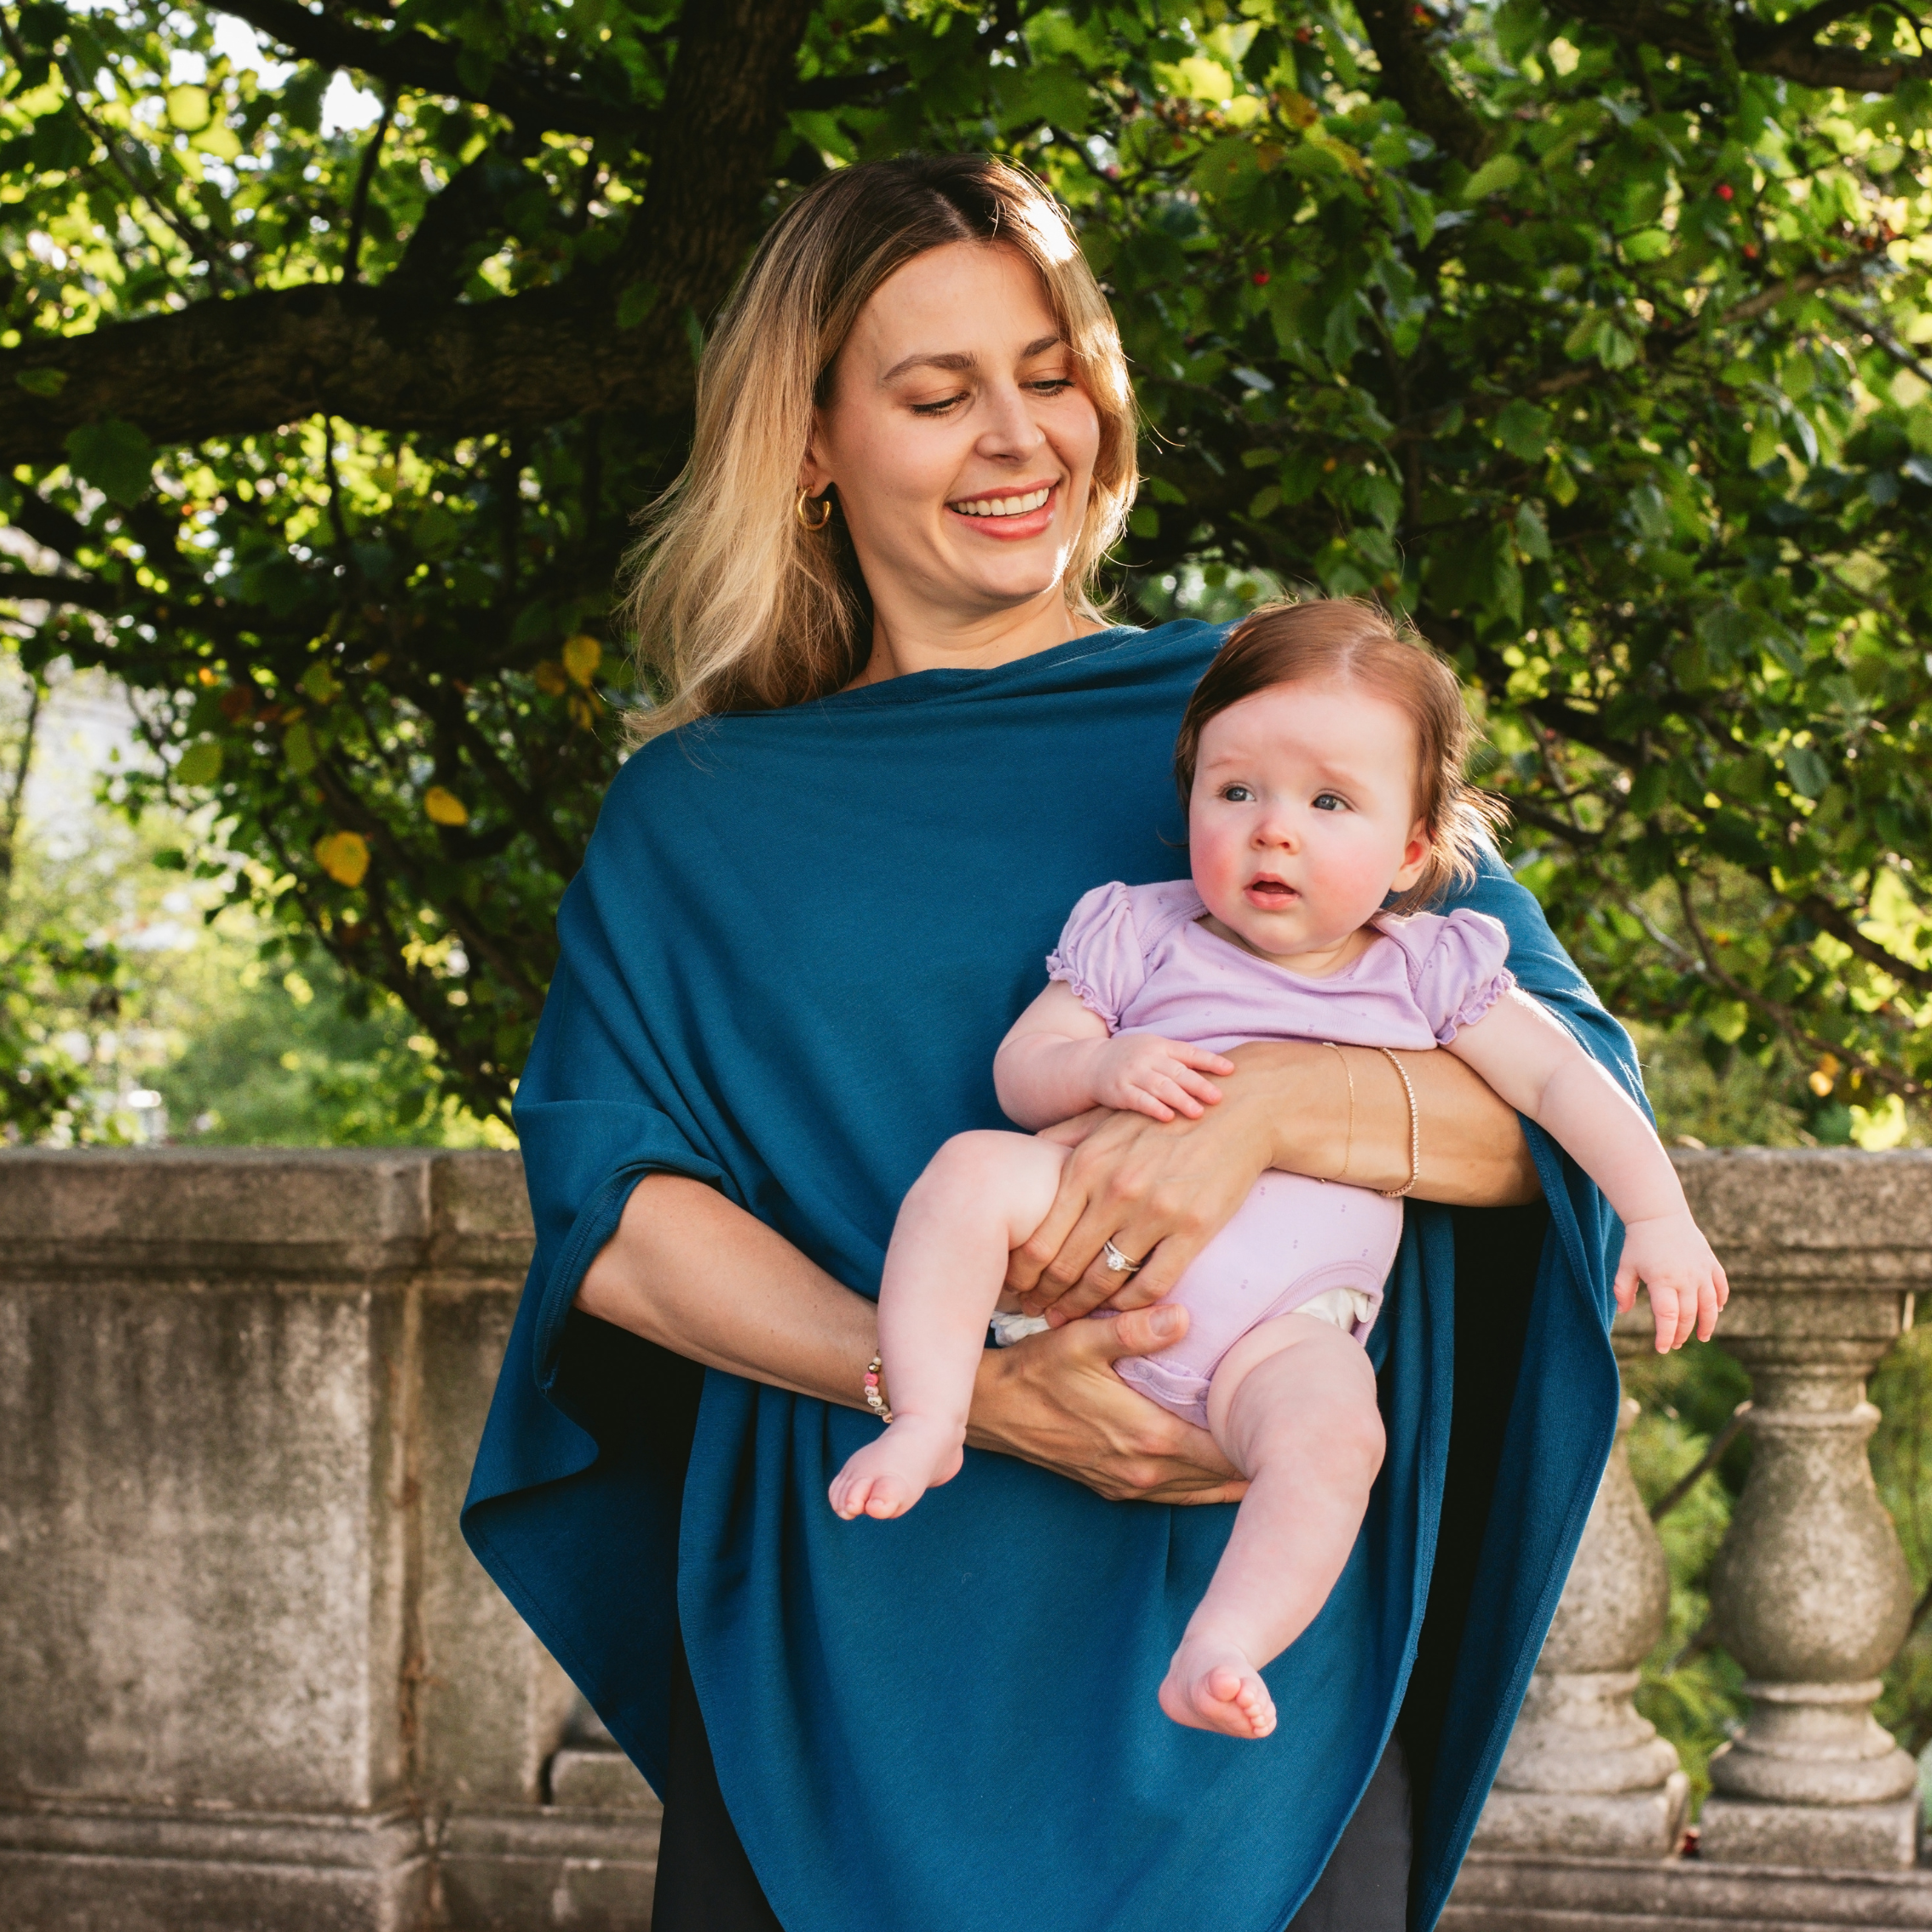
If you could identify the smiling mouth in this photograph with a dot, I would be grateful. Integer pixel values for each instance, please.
(1004, 506)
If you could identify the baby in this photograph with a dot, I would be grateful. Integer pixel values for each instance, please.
(1320, 761)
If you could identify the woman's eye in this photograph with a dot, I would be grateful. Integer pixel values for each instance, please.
(938, 408)
(1052, 385)
(1327, 801)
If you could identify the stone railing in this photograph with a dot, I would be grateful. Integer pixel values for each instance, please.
(250, 1677)
(1813, 1815)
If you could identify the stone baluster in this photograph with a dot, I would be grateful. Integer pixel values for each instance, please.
(1810, 1592)
(1812, 1597)
(1583, 1773)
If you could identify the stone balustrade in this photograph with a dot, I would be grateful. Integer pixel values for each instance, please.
(250, 1675)
(1813, 1815)
(252, 1678)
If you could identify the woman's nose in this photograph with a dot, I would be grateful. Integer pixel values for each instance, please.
(1009, 428)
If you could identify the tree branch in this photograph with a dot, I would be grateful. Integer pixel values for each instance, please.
(364, 174)
(1425, 93)
(1785, 47)
(378, 358)
(523, 89)
(1781, 1016)
(81, 593)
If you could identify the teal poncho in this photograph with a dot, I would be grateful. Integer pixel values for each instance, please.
(795, 942)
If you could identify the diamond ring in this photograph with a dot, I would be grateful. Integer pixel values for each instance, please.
(1116, 1263)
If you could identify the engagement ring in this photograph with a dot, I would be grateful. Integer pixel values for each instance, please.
(1116, 1263)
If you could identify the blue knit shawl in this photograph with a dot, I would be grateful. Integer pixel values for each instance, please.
(796, 939)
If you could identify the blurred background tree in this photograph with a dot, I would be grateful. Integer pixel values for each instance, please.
(336, 349)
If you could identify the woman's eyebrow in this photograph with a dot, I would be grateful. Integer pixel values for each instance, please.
(962, 359)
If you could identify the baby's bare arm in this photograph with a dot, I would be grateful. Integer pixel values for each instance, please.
(1058, 1061)
(1525, 1053)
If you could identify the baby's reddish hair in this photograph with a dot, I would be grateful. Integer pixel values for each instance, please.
(1350, 641)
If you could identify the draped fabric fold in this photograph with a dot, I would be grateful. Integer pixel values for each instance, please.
(796, 940)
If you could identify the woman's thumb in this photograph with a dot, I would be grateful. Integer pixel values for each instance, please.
(1144, 1332)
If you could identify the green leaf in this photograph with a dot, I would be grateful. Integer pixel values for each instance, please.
(115, 457)
(298, 749)
(1499, 172)
(42, 382)
(188, 107)
(635, 303)
(1531, 533)
(1650, 513)
(1145, 521)
(1809, 774)
(200, 764)
(1523, 430)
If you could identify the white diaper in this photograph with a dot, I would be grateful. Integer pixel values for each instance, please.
(1346, 1308)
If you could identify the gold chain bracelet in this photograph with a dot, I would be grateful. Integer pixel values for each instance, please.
(1415, 1132)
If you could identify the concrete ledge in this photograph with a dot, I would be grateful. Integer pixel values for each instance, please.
(111, 1869)
(1527, 1894)
(512, 1872)
(347, 1215)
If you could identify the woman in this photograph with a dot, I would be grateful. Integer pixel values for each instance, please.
(899, 741)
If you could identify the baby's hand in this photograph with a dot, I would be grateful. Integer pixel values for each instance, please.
(1161, 1078)
(1671, 1257)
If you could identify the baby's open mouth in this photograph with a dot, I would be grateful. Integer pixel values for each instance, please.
(1272, 892)
(1003, 506)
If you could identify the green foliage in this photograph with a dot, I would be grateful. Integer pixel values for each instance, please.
(127, 979)
(1603, 360)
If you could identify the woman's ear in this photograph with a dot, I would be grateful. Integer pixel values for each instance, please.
(813, 477)
(1415, 856)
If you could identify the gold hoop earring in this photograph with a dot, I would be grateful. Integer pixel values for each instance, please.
(824, 503)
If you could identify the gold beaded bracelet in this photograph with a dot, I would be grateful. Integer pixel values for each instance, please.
(1415, 1132)
(1415, 1123)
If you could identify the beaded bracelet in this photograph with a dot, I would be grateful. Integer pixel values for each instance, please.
(1415, 1132)
(875, 1390)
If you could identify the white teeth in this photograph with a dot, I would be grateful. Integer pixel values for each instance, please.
(1004, 506)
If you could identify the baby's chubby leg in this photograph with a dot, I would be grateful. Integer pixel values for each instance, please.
(980, 1197)
(1292, 1405)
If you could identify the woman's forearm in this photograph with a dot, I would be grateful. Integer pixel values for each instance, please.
(696, 1274)
(1473, 1153)
(690, 1272)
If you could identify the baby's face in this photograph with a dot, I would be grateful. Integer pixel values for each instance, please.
(1302, 817)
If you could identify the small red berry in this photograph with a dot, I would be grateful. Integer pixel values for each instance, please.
(1259, 278)
(1724, 191)
(1750, 251)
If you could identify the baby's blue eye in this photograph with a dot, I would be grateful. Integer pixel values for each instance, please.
(1236, 794)
(1327, 801)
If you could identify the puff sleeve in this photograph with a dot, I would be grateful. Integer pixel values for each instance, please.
(1100, 954)
(1462, 972)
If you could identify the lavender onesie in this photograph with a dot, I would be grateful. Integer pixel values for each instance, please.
(1139, 958)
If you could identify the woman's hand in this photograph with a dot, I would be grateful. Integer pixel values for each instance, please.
(1159, 1190)
(1055, 1400)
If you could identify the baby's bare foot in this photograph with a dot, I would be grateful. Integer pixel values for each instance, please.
(886, 1478)
(1211, 1686)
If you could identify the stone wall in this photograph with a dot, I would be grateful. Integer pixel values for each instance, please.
(250, 1675)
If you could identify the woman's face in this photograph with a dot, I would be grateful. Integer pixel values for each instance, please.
(959, 439)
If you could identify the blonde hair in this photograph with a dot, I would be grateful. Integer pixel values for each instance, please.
(735, 605)
(1350, 641)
